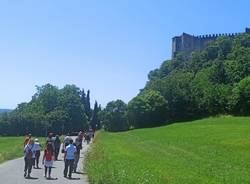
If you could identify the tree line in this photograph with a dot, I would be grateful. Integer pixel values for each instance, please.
(213, 81)
(52, 109)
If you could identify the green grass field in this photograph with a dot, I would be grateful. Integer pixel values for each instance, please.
(213, 150)
(12, 147)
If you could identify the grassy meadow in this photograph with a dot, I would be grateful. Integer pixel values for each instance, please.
(212, 150)
(12, 147)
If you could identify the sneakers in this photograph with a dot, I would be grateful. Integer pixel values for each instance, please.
(25, 174)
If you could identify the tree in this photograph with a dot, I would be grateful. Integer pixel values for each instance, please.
(114, 116)
(240, 99)
(51, 109)
(95, 122)
(147, 110)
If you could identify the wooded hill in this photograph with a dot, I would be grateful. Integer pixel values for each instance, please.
(213, 81)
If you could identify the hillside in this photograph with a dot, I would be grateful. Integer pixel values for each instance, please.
(213, 150)
(215, 80)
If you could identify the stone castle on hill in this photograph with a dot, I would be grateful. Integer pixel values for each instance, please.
(188, 43)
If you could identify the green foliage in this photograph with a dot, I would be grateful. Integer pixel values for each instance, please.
(95, 123)
(240, 99)
(147, 109)
(209, 82)
(199, 85)
(213, 150)
(51, 109)
(114, 116)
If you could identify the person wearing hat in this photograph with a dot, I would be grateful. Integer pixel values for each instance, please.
(28, 157)
(37, 149)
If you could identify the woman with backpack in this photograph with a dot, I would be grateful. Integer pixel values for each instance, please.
(29, 154)
(48, 159)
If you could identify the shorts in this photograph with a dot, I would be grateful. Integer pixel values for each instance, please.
(48, 163)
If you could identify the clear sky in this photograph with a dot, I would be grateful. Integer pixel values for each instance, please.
(107, 46)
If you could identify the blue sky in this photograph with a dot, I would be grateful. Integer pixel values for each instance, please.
(107, 46)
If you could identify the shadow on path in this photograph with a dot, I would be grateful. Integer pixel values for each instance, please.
(51, 178)
(73, 178)
(80, 172)
(31, 178)
(37, 168)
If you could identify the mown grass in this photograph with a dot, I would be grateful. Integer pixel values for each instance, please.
(213, 150)
(12, 147)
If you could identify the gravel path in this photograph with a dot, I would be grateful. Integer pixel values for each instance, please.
(11, 172)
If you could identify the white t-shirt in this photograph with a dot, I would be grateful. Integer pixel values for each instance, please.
(70, 150)
(37, 146)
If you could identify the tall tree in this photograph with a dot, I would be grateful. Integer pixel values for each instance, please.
(88, 108)
(95, 122)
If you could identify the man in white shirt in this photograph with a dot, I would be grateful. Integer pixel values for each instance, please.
(69, 158)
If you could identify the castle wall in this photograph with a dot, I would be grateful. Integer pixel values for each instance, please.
(189, 43)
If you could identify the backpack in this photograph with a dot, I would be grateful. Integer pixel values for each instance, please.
(29, 154)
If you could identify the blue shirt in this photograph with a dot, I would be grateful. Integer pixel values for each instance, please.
(70, 152)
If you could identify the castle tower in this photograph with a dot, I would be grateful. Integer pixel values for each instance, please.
(247, 30)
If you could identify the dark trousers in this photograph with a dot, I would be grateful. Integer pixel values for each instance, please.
(57, 150)
(77, 157)
(28, 165)
(69, 165)
(46, 169)
(37, 158)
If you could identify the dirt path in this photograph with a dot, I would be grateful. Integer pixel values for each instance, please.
(11, 172)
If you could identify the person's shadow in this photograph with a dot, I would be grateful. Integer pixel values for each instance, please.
(37, 168)
(31, 178)
(73, 178)
(52, 178)
(80, 172)
(59, 160)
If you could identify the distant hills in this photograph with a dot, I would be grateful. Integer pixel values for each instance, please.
(5, 110)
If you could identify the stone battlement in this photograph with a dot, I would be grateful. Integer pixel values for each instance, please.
(189, 43)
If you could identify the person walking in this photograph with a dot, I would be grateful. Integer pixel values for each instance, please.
(37, 149)
(66, 140)
(48, 159)
(27, 139)
(57, 144)
(51, 139)
(28, 157)
(88, 137)
(78, 144)
(69, 158)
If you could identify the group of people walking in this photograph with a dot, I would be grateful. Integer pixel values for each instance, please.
(70, 148)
